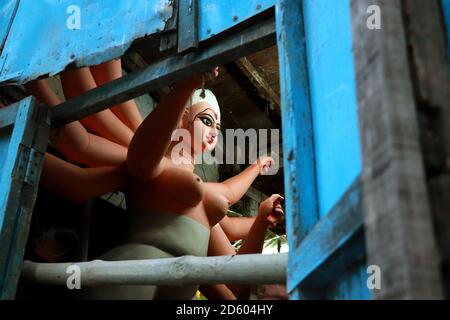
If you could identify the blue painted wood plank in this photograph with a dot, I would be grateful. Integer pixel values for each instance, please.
(107, 30)
(11, 183)
(188, 23)
(332, 245)
(217, 16)
(298, 140)
(446, 8)
(8, 116)
(254, 38)
(46, 43)
(7, 13)
(34, 146)
(352, 285)
(333, 98)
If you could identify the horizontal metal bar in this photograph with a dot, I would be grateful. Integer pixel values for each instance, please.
(186, 270)
(334, 243)
(257, 37)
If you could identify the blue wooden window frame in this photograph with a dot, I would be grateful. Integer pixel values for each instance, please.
(327, 250)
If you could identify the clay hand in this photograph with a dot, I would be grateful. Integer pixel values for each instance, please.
(212, 74)
(271, 211)
(264, 164)
(197, 81)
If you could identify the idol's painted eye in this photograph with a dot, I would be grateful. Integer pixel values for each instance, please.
(207, 120)
(218, 126)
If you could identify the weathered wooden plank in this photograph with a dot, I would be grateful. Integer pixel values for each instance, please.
(8, 11)
(133, 62)
(439, 194)
(7, 117)
(259, 81)
(217, 16)
(82, 32)
(27, 200)
(170, 70)
(298, 141)
(427, 39)
(335, 243)
(18, 188)
(395, 200)
(188, 25)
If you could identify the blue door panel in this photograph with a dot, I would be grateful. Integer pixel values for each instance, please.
(107, 29)
(333, 98)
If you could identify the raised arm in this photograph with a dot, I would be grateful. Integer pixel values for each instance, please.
(105, 123)
(80, 184)
(270, 212)
(127, 111)
(73, 140)
(152, 139)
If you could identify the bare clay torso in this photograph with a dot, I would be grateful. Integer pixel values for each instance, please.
(177, 190)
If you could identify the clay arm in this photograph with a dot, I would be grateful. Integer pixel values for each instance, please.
(104, 123)
(217, 292)
(73, 140)
(270, 211)
(79, 184)
(235, 188)
(236, 228)
(127, 111)
(153, 137)
(219, 243)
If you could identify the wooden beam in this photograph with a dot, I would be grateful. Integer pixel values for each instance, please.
(133, 62)
(398, 221)
(427, 40)
(251, 39)
(261, 83)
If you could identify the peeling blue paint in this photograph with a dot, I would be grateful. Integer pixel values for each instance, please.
(40, 44)
(216, 16)
(7, 12)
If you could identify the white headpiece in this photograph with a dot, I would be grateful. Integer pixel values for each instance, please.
(208, 98)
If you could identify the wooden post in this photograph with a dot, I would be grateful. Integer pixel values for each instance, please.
(398, 219)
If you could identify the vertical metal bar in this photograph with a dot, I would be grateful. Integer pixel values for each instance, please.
(299, 160)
